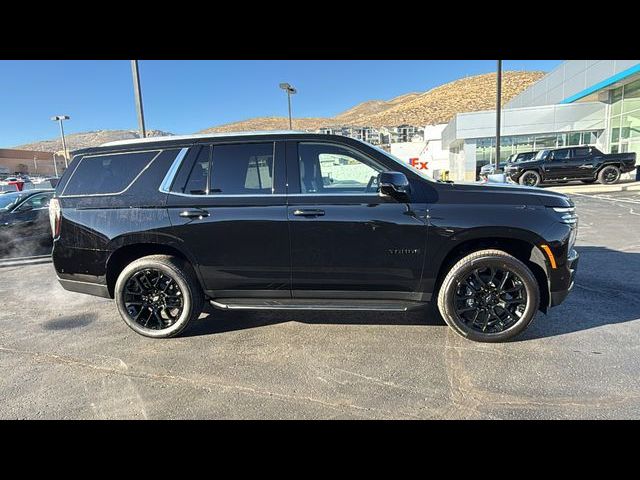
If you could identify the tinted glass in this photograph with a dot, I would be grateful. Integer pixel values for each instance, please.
(37, 201)
(333, 169)
(104, 174)
(197, 181)
(242, 169)
(581, 152)
(560, 154)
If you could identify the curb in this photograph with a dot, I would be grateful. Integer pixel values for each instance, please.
(624, 187)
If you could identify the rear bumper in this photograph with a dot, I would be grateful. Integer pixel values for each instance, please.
(571, 266)
(85, 287)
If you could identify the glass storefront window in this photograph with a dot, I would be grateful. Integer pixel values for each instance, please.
(631, 100)
(630, 125)
(545, 141)
(574, 138)
(616, 101)
(562, 140)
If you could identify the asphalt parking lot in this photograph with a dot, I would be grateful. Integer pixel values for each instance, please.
(66, 355)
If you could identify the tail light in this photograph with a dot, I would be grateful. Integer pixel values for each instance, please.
(55, 214)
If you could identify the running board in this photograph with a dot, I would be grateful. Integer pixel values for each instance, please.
(313, 304)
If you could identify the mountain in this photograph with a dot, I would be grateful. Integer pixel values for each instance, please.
(76, 141)
(434, 106)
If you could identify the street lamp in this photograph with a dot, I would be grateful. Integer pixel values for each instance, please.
(290, 91)
(498, 111)
(59, 119)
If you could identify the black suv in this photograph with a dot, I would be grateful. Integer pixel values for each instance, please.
(291, 220)
(584, 163)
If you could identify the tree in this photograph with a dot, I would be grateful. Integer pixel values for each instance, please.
(22, 168)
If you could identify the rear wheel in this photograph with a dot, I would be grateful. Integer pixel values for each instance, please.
(158, 295)
(489, 296)
(609, 175)
(530, 178)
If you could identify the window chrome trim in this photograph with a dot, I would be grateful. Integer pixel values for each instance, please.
(271, 195)
(62, 195)
(165, 186)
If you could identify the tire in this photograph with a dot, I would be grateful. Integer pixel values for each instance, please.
(530, 178)
(591, 180)
(183, 299)
(609, 175)
(519, 276)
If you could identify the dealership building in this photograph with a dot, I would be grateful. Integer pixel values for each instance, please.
(580, 102)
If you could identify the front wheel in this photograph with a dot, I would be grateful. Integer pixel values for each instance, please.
(489, 296)
(158, 295)
(609, 175)
(530, 178)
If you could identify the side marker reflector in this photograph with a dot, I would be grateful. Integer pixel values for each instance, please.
(549, 253)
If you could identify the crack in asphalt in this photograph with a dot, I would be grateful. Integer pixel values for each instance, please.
(206, 385)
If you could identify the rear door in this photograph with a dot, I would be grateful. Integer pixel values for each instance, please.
(227, 207)
(582, 163)
(346, 240)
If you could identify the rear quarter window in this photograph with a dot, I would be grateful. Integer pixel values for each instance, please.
(107, 174)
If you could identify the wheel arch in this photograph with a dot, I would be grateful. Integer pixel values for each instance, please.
(522, 245)
(131, 250)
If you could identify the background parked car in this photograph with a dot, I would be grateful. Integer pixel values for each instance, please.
(585, 163)
(24, 223)
(490, 168)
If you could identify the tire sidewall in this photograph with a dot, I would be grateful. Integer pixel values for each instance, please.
(535, 174)
(177, 276)
(531, 288)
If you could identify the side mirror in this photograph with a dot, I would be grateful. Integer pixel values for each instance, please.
(394, 184)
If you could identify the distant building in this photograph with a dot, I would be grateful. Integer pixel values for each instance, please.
(377, 136)
(32, 162)
(580, 102)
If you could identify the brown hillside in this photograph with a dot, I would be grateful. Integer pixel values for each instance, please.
(437, 105)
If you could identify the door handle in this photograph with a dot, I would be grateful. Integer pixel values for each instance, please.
(194, 213)
(312, 212)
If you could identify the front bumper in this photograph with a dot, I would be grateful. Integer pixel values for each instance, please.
(569, 273)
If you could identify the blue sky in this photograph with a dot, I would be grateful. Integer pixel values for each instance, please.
(187, 96)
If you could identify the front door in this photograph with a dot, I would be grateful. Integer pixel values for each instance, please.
(346, 240)
(227, 208)
(556, 165)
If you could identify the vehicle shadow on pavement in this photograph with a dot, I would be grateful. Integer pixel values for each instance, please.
(606, 292)
(219, 321)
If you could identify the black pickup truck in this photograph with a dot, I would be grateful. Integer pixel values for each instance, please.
(585, 163)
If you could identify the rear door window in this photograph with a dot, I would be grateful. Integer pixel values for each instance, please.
(231, 169)
(581, 152)
(242, 169)
(107, 174)
(560, 155)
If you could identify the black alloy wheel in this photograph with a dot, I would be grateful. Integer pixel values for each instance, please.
(489, 296)
(153, 299)
(609, 175)
(490, 299)
(530, 179)
(158, 295)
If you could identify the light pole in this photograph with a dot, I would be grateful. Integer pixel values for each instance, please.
(55, 167)
(498, 112)
(290, 91)
(59, 119)
(138, 94)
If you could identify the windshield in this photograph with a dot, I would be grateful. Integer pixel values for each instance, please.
(9, 200)
(397, 160)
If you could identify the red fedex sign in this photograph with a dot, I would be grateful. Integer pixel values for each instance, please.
(416, 163)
